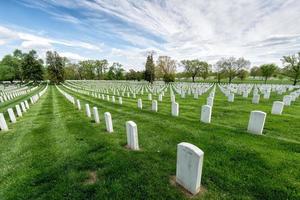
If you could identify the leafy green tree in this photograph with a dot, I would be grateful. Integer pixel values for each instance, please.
(134, 75)
(205, 70)
(230, 66)
(18, 56)
(32, 67)
(255, 71)
(267, 70)
(115, 72)
(6, 73)
(292, 67)
(87, 69)
(242, 74)
(119, 71)
(55, 67)
(8, 65)
(101, 67)
(167, 67)
(150, 69)
(219, 70)
(193, 67)
(71, 71)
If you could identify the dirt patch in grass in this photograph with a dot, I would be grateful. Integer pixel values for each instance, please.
(189, 195)
(128, 148)
(91, 179)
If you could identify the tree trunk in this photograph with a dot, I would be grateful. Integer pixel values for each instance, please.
(98, 74)
(193, 77)
(295, 81)
(266, 78)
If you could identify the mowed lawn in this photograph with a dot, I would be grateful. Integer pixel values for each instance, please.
(55, 152)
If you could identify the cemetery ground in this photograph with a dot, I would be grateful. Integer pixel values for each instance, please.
(56, 152)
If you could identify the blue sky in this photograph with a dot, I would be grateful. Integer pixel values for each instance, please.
(125, 30)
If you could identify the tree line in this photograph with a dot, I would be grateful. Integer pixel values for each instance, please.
(23, 67)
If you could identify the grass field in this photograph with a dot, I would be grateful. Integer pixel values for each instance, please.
(55, 152)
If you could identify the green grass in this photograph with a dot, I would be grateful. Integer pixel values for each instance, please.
(50, 152)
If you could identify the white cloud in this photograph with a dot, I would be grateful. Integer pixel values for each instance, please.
(72, 56)
(6, 35)
(41, 45)
(29, 40)
(262, 31)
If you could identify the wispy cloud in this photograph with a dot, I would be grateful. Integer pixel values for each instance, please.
(28, 41)
(261, 31)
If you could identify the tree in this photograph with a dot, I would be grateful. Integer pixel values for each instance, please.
(7, 68)
(87, 69)
(101, 67)
(32, 67)
(255, 71)
(191, 68)
(167, 67)
(150, 69)
(219, 70)
(71, 71)
(119, 71)
(292, 67)
(242, 74)
(196, 67)
(115, 72)
(6, 73)
(267, 70)
(55, 67)
(18, 56)
(205, 71)
(134, 75)
(232, 65)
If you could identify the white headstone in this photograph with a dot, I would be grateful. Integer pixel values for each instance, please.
(160, 97)
(96, 115)
(182, 94)
(3, 124)
(189, 167)
(173, 98)
(113, 99)
(150, 97)
(108, 122)
(23, 107)
(18, 109)
(78, 104)
(231, 97)
(256, 122)
(154, 105)
(206, 113)
(175, 109)
(132, 135)
(120, 101)
(196, 96)
(255, 98)
(210, 101)
(277, 108)
(287, 100)
(12, 116)
(245, 94)
(267, 95)
(26, 104)
(87, 110)
(140, 104)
